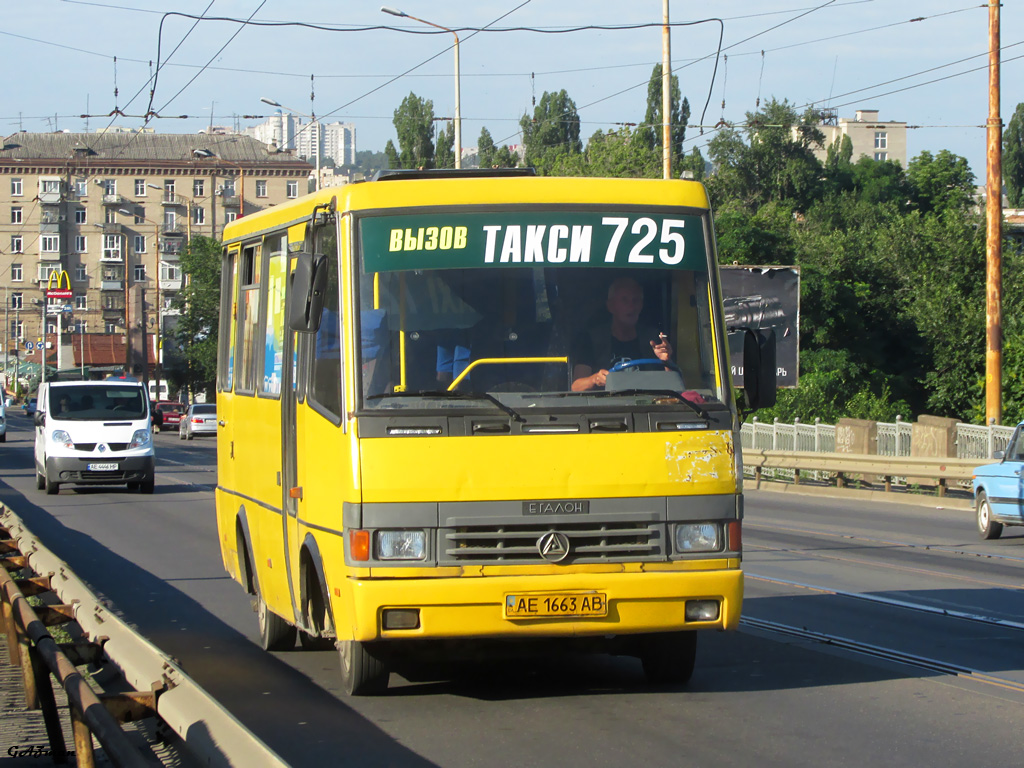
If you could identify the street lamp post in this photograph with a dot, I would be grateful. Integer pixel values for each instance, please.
(205, 153)
(159, 307)
(316, 127)
(458, 113)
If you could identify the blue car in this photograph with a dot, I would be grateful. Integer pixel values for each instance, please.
(999, 489)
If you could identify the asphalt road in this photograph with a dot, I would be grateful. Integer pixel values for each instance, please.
(913, 580)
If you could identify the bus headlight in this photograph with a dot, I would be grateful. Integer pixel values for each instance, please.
(62, 438)
(698, 537)
(140, 439)
(401, 545)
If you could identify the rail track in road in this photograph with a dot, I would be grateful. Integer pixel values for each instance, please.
(946, 549)
(881, 652)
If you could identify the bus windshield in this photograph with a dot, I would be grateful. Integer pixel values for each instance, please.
(536, 308)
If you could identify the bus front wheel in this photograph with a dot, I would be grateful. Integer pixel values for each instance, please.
(668, 658)
(362, 673)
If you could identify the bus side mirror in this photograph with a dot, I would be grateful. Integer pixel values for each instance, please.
(39, 419)
(308, 281)
(759, 385)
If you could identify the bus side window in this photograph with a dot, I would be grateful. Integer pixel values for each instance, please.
(272, 369)
(325, 383)
(225, 355)
(249, 343)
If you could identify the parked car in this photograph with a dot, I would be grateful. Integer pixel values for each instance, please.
(29, 407)
(167, 414)
(3, 424)
(199, 419)
(999, 489)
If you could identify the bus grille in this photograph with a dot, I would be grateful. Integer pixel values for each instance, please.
(588, 543)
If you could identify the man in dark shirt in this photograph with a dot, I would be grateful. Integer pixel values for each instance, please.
(598, 350)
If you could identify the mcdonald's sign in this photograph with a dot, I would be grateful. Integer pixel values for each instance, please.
(58, 292)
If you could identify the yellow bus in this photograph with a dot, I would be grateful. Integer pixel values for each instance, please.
(481, 406)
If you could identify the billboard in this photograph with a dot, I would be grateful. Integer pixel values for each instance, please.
(763, 299)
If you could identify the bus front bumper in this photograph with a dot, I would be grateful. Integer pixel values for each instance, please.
(475, 607)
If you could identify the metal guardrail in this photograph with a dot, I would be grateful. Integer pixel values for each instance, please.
(208, 731)
(847, 466)
(31, 647)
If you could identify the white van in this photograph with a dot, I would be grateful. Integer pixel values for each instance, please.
(94, 433)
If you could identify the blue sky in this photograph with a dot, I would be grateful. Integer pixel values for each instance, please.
(59, 60)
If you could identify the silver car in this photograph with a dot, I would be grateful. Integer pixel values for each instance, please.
(200, 419)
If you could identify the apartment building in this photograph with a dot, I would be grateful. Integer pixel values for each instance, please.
(871, 137)
(334, 141)
(113, 211)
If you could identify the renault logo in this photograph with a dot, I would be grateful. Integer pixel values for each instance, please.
(553, 546)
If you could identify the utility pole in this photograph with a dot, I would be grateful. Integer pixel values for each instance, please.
(666, 94)
(994, 232)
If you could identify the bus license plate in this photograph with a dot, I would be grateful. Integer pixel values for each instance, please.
(552, 604)
(110, 467)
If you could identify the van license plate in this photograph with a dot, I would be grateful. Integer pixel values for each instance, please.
(552, 604)
(110, 467)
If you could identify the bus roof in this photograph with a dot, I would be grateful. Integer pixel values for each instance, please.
(414, 189)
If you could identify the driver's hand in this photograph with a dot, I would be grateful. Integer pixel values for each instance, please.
(598, 379)
(662, 351)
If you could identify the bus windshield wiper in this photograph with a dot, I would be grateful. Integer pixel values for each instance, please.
(658, 392)
(445, 394)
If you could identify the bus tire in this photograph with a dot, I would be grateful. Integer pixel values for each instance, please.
(276, 634)
(668, 658)
(40, 481)
(147, 486)
(987, 527)
(362, 673)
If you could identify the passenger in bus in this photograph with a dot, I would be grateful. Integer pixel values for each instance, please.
(621, 338)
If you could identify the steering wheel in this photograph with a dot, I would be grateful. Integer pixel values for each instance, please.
(625, 365)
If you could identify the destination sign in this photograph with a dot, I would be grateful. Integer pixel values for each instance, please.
(530, 238)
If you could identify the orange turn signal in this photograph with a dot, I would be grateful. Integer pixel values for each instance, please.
(735, 536)
(359, 545)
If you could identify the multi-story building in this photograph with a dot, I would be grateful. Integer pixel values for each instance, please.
(334, 141)
(114, 212)
(870, 137)
(279, 130)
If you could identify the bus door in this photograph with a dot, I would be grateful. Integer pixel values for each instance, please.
(291, 491)
(311, 402)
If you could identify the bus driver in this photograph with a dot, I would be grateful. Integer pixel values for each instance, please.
(599, 349)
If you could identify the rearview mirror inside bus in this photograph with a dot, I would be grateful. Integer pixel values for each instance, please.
(759, 369)
(308, 281)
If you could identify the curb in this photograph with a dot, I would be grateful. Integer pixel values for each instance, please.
(861, 494)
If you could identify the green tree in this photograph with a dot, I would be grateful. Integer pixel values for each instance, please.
(391, 155)
(651, 132)
(694, 163)
(505, 158)
(1013, 158)
(615, 154)
(445, 155)
(776, 162)
(553, 131)
(943, 182)
(485, 149)
(369, 162)
(199, 306)
(414, 124)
